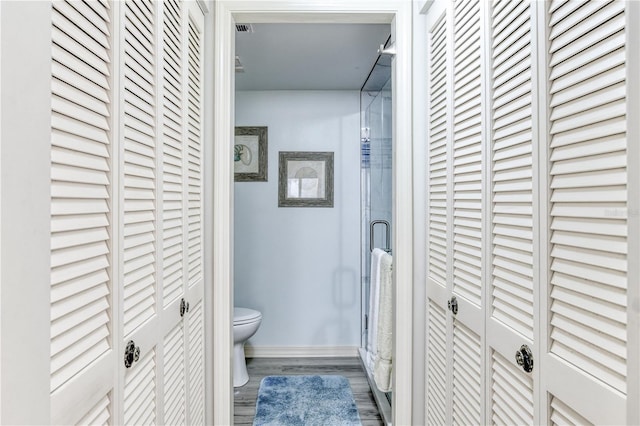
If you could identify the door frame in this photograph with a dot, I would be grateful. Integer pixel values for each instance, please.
(220, 214)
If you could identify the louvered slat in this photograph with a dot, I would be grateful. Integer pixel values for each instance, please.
(139, 391)
(174, 377)
(467, 153)
(588, 198)
(438, 164)
(512, 196)
(562, 414)
(173, 153)
(139, 165)
(511, 393)
(194, 153)
(80, 187)
(196, 365)
(467, 376)
(436, 365)
(99, 414)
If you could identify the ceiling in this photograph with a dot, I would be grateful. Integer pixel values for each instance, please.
(308, 56)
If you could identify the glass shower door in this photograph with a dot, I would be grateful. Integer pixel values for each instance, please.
(376, 172)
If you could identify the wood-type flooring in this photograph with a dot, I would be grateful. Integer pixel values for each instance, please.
(245, 396)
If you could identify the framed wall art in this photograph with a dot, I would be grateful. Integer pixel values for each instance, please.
(250, 154)
(305, 179)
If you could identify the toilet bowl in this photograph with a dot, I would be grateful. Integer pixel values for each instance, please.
(245, 324)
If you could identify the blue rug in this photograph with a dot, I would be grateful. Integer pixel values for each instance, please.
(306, 401)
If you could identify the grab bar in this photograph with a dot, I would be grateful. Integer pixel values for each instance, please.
(387, 233)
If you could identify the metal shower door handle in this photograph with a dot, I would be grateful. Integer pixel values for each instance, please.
(387, 234)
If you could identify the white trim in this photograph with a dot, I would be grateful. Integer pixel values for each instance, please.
(313, 11)
(402, 92)
(1, 251)
(25, 95)
(633, 217)
(420, 191)
(207, 197)
(222, 217)
(299, 351)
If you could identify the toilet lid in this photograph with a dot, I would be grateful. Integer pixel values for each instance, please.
(245, 315)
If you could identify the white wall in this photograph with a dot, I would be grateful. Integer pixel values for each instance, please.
(301, 266)
(25, 123)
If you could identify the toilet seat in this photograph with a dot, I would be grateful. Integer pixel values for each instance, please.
(245, 316)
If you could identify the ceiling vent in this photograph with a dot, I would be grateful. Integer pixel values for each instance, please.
(244, 28)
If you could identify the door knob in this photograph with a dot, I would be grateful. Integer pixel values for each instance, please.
(524, 358)
(184, 307)
(131, 354)
(453, 305)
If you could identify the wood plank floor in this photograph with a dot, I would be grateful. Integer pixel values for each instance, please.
(245, 396)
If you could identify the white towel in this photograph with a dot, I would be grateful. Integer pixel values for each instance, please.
(383, 361)
(374, 303)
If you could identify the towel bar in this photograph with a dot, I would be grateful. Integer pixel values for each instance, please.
(387, 233)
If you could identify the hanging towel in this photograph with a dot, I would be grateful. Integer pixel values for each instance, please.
(374, 303)
(383, 362)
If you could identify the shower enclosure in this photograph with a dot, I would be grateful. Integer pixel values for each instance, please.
(376, 195)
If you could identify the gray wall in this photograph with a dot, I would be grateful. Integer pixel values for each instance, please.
(301, 266)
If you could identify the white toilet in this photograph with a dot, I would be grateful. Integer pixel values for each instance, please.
(245, 324)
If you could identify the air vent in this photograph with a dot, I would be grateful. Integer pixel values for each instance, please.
(244, 28)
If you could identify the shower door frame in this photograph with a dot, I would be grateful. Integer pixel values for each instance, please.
(219, 199)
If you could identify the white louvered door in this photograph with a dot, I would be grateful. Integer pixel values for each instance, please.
(173, 177)
(83, 350)
(587, 231)
(467, 151)
(455, 224)
(194, 287)
(551, 237)
(141, 316)
(511, 317)
(161, 172)
(439, 347)
(126, 241)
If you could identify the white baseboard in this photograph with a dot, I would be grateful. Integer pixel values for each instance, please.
(299, 351)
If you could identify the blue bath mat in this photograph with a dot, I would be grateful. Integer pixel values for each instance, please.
(306, 401)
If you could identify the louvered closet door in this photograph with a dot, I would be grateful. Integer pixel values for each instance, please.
(193, 280)
(455, 358)
(82, 324)
(161, 207)
(587, 151)
(139, 207)
(438, 406)
(126, 243)
(466, 175)
(173, 247)
(556, 194)
(512, 318)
